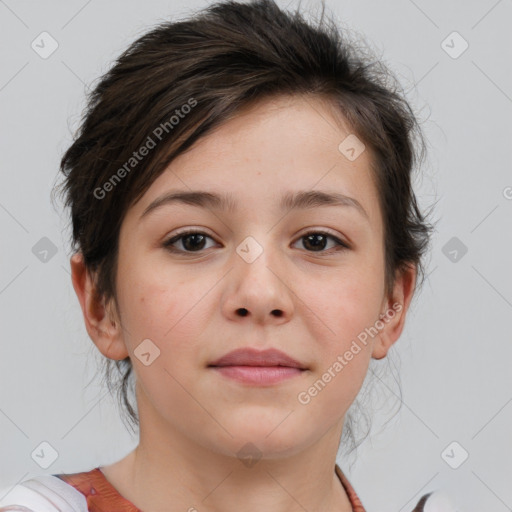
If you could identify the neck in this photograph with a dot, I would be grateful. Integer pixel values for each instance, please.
(176, 470)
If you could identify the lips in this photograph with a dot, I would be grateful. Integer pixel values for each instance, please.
(253, 357)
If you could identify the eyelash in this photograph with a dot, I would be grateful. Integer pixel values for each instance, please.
(341, 246)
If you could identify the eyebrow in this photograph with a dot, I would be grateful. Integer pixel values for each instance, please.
(303, 199)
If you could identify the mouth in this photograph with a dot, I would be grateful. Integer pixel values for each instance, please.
(251, 366)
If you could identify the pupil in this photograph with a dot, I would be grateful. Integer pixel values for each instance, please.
(198, 241)
(321, 244)
(192, 246)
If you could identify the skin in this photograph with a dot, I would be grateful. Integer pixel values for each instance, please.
(193, 421)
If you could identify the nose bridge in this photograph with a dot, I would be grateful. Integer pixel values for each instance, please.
(254, 257)
(259, 288)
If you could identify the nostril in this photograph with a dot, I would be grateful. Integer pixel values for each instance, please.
(243, 311)
(277, 312)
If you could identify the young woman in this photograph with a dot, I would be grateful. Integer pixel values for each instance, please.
(245, 240)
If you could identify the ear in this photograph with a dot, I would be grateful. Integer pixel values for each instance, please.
(102, 322)
(394, 310)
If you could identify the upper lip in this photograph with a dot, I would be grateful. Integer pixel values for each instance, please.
(254, 357)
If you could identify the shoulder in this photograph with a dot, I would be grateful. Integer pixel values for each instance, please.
(436, 501)
(45, 493)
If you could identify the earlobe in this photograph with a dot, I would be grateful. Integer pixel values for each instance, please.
(102, 324)
(394, 312)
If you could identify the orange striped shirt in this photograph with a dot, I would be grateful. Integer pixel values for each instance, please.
(102, 496)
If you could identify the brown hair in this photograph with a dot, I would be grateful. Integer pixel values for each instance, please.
(182, 79)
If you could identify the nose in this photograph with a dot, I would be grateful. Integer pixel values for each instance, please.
(258, 289)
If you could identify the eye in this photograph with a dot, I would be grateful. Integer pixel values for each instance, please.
(194, 241)
(317, 240)
(190, 241)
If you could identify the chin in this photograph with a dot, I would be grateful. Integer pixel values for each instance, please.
(270, 437)
(250, 450)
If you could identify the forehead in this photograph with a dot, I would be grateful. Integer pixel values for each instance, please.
(271, 149)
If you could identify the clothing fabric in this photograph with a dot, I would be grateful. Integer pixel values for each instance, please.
(90, 491)
(45, 493)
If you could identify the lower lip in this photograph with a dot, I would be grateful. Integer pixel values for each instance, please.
(262, 375)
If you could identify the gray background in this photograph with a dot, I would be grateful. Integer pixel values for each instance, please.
(456, 349)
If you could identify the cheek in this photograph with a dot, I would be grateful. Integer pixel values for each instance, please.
(345, 304)
(346, 309)
(166, 314)
(163, 308)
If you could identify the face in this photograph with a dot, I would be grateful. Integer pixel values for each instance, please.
(256, 273)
